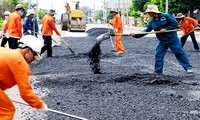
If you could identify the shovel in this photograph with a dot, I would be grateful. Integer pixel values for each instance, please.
(55, 111)
(106, 36)
(68, 46)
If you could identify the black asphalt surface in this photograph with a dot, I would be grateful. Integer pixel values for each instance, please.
(124, 90)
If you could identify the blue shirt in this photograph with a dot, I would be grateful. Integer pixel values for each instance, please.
(165, 21)
(28, 25)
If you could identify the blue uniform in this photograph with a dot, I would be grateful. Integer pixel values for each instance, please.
(28, 25)
(166, 40)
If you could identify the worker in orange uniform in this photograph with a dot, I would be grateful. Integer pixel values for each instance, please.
(14, 26)
(48, 26)
(5, 38)
(16, 71)
(118, 29)
(188, 25)
(68, 8)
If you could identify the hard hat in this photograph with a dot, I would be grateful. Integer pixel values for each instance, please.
(19, 6)
(51, 11)
(29, 12)
(32, 42)
(7, 13)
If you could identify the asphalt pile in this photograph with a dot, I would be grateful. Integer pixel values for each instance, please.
(94, 58)
(95, 32)
(124, 90)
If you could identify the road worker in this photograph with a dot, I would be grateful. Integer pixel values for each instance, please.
(77, 5)
(162, 22)
(14, 70)
(48, 26)
(30, 24)
(118, 29)
(5, 36)
(14, 26)
(68, 8)
(187, 25)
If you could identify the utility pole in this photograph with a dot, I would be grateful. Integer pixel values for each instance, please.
(127, 13)
(166, 6)
(123, 10)
(118, 5)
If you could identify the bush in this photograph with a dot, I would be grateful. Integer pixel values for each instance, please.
(1, 23)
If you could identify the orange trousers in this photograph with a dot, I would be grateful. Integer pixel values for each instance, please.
(7, 109)
(118, 42)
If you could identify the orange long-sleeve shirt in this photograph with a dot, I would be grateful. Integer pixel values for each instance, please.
(14, 70)
(117, 23)
(48, 26)
(14, 25)
(187, 24)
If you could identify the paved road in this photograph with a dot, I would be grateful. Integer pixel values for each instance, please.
(14, 94)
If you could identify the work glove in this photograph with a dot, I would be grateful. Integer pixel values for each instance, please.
(44, 108)
(116, 30)
(29, 31)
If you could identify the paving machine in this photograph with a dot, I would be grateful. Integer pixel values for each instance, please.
(73, 21)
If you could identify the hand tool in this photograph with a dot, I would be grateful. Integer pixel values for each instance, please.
(68, 46)
(111, 41)
(54, 111)
(107, 35)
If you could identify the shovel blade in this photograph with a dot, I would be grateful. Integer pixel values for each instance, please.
(103, 37)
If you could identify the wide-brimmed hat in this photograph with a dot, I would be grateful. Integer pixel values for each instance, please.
(113, 10)
(152, 8)
(180, 15)
(29, 12)
(51, 11)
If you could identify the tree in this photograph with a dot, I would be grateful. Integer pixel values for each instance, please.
(192, 5)
(139, 5)
(175, 6)
(99, 14)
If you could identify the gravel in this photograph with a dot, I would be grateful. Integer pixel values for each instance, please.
(124, 90)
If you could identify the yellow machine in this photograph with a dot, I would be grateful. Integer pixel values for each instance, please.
(73, 21)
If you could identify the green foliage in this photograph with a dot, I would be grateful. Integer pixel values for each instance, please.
(99, 14)
(1, 22)
(41, 14)
(14, 2)
(139, 5)
(175, 6)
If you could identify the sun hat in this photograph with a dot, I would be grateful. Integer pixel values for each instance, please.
(152, 8)
(180, 15)
(113, 10)
(29, 12)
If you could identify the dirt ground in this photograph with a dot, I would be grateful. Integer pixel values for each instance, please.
(124, 90)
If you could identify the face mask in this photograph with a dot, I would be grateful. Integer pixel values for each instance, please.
(6, 17)
(20, 12)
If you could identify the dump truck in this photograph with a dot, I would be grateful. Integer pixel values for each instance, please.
(73, 21)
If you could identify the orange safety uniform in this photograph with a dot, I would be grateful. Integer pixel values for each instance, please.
(48, 25)
(14, 25)
(187, 24)
(117, 24)
(14, 70)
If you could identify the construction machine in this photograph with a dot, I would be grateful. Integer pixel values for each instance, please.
(73, 21)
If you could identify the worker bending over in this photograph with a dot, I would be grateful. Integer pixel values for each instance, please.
(14, 70)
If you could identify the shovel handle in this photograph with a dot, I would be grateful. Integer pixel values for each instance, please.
(141, 33)
(54, 111)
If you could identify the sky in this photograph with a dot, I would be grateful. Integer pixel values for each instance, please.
(59, 4)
